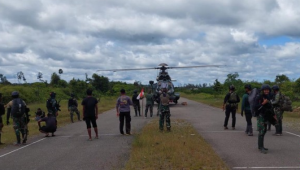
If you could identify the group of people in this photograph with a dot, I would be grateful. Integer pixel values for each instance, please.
(123, 109)
(19, 112)
(267, 110)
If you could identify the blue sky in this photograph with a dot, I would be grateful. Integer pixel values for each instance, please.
(258, 39)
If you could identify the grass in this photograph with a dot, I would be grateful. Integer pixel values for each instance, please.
(291, 119)
(8, 135)
(183, 148)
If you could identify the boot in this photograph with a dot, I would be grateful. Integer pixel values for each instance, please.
(250, 133)
(247, 130)
(135, 112)
(18, 140)
(261, 145)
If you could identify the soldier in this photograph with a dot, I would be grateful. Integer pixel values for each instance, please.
(277, 110)
(149, 103)
(164, 110)
(247, 110)
(136, 104)
(123, 112)
(231, 101)
(73, 107)
(52, 105)
(265, 114)
(2, 112)
(16, 109)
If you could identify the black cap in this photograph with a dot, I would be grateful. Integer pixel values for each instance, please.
(275, 87)
(122, 91)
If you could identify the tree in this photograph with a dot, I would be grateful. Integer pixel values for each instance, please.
(281, 79)
(100, 83)
(217, 86)
(54, 79)
(3, 79)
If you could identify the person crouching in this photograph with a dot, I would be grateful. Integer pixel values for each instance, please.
(51, 125)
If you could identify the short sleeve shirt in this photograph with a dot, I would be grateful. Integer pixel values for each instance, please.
(89, 104)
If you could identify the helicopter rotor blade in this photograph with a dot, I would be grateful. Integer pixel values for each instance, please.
(195, 66)
(130, 69)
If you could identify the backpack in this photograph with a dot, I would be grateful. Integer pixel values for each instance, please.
(2, 109)
(18, 108)
(285, 103)
(72, 102)
(233, 98)
(253, 101)
(51, 104)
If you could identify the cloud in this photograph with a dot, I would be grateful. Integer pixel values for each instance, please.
(83, 37)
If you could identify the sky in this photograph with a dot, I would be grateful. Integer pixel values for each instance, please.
(258, 39)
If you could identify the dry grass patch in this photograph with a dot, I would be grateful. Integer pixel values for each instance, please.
(183, 149)
(8, 135)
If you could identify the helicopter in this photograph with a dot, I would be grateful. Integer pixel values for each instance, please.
(163, 79)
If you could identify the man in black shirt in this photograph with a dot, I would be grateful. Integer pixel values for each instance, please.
(51, 125)
(90, 113)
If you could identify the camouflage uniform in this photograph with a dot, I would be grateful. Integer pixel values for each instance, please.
(19, 124)
(72, 106)
(278, 112)
(52, 106)
(262, 129)
(149, 104)
(164, 112)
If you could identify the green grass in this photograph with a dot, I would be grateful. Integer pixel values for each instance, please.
(182, 148)
(8, 136)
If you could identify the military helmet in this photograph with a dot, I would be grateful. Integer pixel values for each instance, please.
(231, 87)
(52, 94)
(15, 94)
(275, 87)
(248, 86)
(265, 86)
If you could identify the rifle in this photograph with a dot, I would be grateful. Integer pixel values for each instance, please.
(57, 105)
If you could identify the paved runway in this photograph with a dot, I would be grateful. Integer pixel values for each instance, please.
(70, 149)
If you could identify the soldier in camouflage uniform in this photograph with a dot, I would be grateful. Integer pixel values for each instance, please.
(164, 110)
(19, 123)
(265, 114)
(277, 110)
(73, 107)
(149, 103)
(52, 105)
(2, 112)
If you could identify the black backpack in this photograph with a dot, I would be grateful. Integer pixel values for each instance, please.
(18, 108)
(253, 101)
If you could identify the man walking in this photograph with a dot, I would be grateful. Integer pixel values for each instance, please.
(90, 113)
(247, 110)
(123, 111)
(16, 109)
(231, 101)
(73, 107)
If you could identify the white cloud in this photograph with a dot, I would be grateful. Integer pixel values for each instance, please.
(82, 37)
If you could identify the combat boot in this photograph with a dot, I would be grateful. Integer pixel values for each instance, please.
(250, 131)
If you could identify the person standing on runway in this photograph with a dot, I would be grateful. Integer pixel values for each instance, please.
(123, 112)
